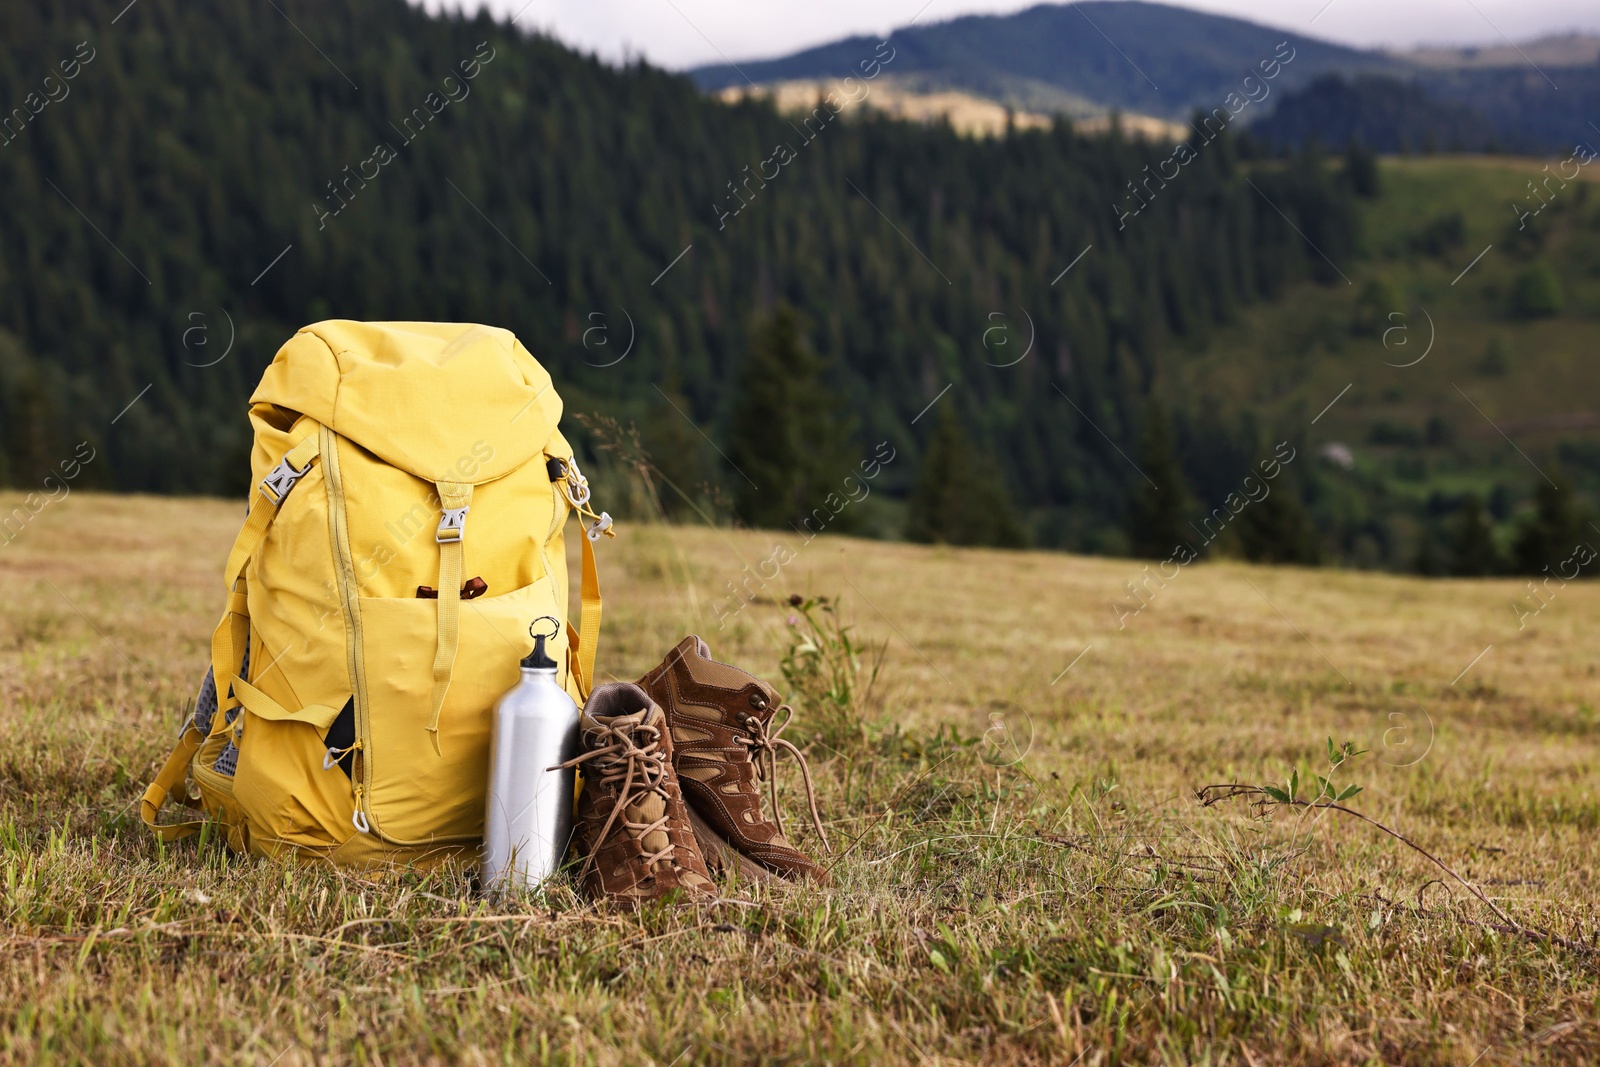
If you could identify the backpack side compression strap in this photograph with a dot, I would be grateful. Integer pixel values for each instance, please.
(589, 620)
(583, 642)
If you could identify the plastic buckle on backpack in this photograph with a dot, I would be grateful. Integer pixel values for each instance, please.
(452, 525)
(600, 527)
(282, 478)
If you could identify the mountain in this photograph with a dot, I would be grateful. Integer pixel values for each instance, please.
(1160, 63)
(187, 184)
(1080, 59)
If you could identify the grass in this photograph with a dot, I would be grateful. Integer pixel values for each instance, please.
(1078, 905)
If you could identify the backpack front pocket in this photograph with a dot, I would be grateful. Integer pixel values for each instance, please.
(283, 791)
(412, 793)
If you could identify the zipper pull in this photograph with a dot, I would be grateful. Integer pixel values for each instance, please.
(331, 758)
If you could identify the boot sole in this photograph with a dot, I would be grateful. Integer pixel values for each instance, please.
(720, 855)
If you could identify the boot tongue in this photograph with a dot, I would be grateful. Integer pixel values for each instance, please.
(647, 809)
(648, 806)
(635, 718)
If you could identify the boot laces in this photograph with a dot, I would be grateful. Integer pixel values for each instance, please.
(619, 756)
(763, 743)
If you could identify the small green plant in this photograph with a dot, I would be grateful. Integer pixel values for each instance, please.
(829, 671)
(1337, 757)
(1331, 798)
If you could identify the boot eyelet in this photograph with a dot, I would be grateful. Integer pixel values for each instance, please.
(758, 701)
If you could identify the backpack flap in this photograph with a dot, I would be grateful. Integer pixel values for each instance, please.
(385, 386)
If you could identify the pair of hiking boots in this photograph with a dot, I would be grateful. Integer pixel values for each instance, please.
(671, 765)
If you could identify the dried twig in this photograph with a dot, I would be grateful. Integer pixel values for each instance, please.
(1530, 932)
(1216, 794)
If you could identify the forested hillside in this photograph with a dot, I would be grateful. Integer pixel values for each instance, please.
(212, 170)
(1497, 110)
(1384, 113)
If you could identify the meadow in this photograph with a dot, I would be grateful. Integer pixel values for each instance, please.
(1022, 871)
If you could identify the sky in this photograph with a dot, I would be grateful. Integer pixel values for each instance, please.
(685, 33)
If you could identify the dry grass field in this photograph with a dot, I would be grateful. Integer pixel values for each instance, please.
(1076, 905)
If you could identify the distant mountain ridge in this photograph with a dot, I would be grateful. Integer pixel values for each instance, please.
(1087, 60)
(1557, 50)
(1078, 59)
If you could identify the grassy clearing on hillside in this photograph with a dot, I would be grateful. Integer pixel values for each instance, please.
(1076, 906)
(1299, 352)
(1419, 359)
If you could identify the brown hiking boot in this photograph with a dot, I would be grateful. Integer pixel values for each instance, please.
(631, 824)
(721, 719)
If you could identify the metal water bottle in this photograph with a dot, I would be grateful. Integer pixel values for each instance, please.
(528, 821)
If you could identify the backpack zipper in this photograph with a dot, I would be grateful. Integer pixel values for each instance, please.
(339, 535)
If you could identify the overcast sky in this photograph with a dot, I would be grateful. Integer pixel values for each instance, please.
(685, 33)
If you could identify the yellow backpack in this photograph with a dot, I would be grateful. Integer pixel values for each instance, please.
(404, 535)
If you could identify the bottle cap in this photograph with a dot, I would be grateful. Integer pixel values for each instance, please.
(538, 659)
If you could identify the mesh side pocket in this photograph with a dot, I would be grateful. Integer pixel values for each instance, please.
(205, 710)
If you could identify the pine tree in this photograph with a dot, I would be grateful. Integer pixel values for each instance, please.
(1472, 549)
(786, 440)
(1426, 561)
(1279, 529)
(954, 501)
(1552, 532)
(677, 454)
(1155, 523)
(1361, 171)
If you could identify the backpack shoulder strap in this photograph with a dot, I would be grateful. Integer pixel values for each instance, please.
(233, 630)
(230, 634)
